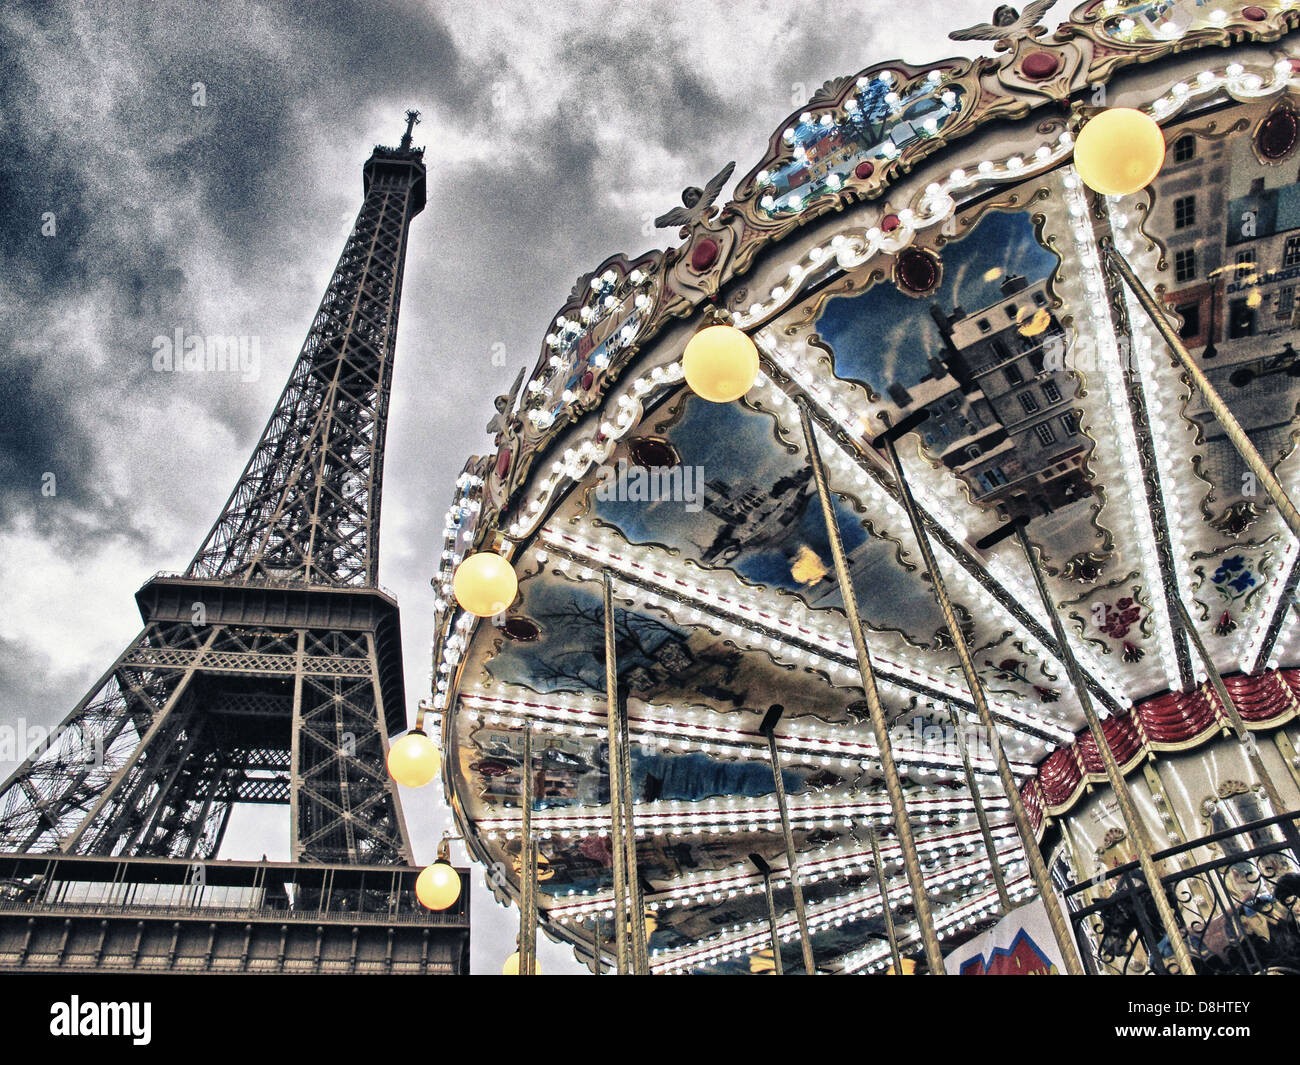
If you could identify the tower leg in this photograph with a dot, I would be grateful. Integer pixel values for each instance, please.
(193, 719)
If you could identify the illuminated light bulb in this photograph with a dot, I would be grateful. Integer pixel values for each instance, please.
(1119, 151)
(437, 886)
(511, 966)
(720, 363)
(413, 760)
(485, 584)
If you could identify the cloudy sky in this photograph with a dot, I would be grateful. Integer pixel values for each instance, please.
(554, 132)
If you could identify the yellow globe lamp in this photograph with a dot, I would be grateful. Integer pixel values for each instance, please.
(413, 760)
(485, 584)
(1119, 151)
(720, 363)
(511, 967)
(437, 886)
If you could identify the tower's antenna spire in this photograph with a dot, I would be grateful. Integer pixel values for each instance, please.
(412, 117)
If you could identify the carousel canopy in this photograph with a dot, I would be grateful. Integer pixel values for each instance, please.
(915, 239)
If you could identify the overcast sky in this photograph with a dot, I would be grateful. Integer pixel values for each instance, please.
(553, 132)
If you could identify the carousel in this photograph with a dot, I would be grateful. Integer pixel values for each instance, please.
(909, 552)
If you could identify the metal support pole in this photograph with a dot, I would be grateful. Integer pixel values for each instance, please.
(766, 871)
(888, 767)
(885, 910)
(768, 727)
(1037, 866)
(1133, 823)
(114, 789)
(1231, 428)
(1244, 736)
(640, 955)
(618, 847)
(527, 866)
(981, 815)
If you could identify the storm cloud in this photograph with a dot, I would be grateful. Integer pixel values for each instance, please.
(197, 166)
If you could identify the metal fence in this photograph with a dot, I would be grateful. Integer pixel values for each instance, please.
(100, 886)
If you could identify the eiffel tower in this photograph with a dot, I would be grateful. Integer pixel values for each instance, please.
(270, 671)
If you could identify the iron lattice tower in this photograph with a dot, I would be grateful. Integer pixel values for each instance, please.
(270, 671)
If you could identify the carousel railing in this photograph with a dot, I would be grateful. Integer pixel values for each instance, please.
(1236, 894)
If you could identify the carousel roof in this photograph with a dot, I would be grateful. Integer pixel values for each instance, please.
(914, 238)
